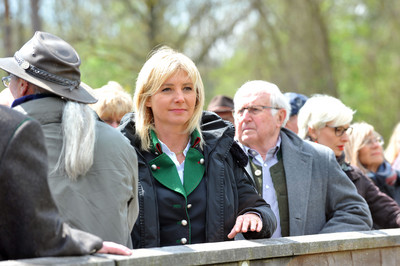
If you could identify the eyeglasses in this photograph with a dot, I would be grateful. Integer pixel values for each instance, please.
(6, 80)
(375, 139)
(339, 131)
(254, 110)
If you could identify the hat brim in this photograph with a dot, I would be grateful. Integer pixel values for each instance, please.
(83, 94)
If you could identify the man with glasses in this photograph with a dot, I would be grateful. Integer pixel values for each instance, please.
(30, 225)
(301, 180)
(92, 167)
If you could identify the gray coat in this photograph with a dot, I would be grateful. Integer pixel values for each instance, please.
(321, 198)
(30, 225)
(104, 201)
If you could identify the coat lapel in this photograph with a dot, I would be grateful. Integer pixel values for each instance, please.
(165, 172)
(298, 170)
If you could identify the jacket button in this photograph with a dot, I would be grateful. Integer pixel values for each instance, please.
(183, 241)
(189, 206)
(257, 172)
(201, 161)
(154, 167)
(184, 222)
(156, 153)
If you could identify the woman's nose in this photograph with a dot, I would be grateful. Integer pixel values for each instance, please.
(179, 97)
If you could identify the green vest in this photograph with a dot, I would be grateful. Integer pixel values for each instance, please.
(278, 176)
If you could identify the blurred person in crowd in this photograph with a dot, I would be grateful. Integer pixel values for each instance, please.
(6, 97)
(392, 151)
(30, 225)
(326, 120)
(296, 101)
(302, 181)
(113, 103)
(192, 183)
(365, 150)
(222, 106)
(92, 168)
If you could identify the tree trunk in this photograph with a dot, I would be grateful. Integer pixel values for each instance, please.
(36, 22)
(7, 30)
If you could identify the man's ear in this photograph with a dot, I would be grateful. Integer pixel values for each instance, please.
(281, 116)
(23, 87)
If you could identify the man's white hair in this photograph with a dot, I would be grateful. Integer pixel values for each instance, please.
(78, 129)
(276, 98)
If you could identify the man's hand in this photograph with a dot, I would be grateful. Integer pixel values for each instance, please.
(245, 222)
(114, 248)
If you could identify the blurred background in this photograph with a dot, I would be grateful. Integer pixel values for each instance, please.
(348, 49)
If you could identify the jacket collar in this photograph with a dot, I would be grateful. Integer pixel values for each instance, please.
(156, 145)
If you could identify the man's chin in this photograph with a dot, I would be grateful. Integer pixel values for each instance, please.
(246, 139)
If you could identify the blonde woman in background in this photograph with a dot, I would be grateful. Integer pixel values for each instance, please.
(392, 152)
(113, 103)
(365, 150)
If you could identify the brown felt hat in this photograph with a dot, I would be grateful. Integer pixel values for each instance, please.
(220, 103)
(52, 64)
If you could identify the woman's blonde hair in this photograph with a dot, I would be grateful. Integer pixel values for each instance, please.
(320, 110)
(162, 64)
(393, 147)
(356, 141)
(113, 101)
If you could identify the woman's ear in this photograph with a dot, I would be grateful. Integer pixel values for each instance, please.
(312, 133)
(148, 102)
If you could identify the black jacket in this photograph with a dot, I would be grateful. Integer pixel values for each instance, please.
(228, 191)
(385, 211)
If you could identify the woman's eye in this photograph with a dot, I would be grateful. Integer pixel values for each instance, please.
(188, 88)
(166, 89)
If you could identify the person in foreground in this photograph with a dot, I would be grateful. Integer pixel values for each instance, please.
(365, 150)
(92, 168)
(30, 225)
(326, 120)
(302, 181)
(192, 186)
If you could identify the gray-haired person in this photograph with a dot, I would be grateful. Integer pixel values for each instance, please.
(92, 167)
(30, 225)
(302, 181)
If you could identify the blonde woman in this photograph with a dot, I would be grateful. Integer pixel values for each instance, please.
(192, 186)
(392, 152)
(113, 103)
(365, 150)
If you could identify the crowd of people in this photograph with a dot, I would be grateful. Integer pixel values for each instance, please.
(89, 171)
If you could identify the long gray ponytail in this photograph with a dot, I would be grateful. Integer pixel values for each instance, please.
(78, 126)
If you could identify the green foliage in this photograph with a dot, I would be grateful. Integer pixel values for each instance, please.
(345, 48)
